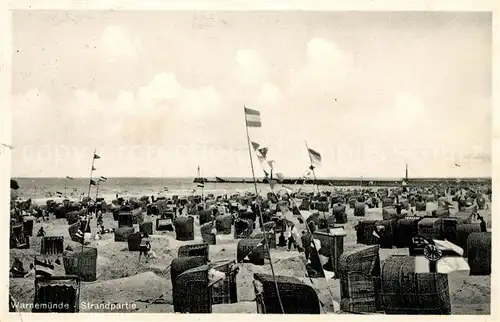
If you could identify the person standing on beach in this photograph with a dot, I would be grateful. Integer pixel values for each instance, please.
(99, 219)
(145, 246)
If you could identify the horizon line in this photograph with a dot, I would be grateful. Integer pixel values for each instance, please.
(260, 178)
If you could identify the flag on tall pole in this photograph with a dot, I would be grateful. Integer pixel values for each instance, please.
(252, 118)
(70, 178)
(92, 168)
(314, 156)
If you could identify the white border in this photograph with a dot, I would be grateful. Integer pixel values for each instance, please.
(345, 5)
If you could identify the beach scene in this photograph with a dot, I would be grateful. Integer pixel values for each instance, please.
(251, 162)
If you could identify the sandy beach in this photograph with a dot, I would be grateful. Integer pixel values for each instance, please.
(122, 279)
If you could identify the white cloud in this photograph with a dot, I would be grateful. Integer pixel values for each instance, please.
(117, 44)
(251, 67)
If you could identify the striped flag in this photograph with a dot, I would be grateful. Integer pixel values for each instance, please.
(96, 156)
(92, 182)
(315, 156)
(103, 178)
(252, 118)
(43, 269)
(68, 177)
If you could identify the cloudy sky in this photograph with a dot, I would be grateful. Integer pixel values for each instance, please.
(165, 90)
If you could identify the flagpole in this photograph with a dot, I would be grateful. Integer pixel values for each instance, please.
(65, 187)
(266, 246)
(91, 170)
(312, 167)
(250, 155)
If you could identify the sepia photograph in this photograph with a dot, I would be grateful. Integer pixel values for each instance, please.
(259, 162)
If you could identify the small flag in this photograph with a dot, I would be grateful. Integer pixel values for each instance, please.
(92, 182)
(266, 173)
(96, 156)
(271, 163)
(315, 156)
(263, 152)
(43, 269)
(255, 145)
(280, 176)
(375, 234)
(68, 177)
(457, 165)
(59, 193)
(252, 118)
(103, 178)
(201, 185)
(272, 183)
(311, 167)
(93, 168)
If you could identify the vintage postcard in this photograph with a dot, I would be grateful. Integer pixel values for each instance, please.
(249, 161)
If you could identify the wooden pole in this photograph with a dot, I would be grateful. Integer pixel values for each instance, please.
(266, 243)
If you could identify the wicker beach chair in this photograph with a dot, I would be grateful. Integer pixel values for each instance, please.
(57, 294)
(405, 292)
(52, 245)
(479, 253)
(192, 293)
(146, 227)
(125, 219)
(253, 249)
(296, 297)
(359, 272)
(18, 238)
(194, 250)
(463, 232)
(81, 262)
(184, 228)
(404, 230)
(224, 224)
(122, 233)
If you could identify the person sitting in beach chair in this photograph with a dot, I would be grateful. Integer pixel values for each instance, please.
(41, 232)
(145, 247)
